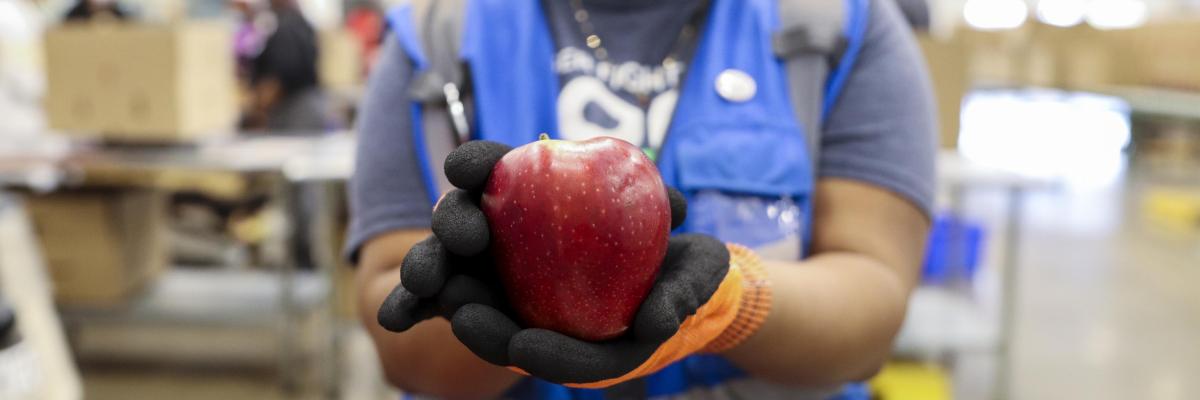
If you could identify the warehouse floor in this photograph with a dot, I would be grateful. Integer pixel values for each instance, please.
(249, 379)
(1108, 309)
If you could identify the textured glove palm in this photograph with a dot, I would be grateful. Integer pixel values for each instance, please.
(451, 275)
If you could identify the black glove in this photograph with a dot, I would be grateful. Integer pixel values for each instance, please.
(437, 279)
(451, 275)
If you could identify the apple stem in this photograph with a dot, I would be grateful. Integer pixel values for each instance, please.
(544, 136)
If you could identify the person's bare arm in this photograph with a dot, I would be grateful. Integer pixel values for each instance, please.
(836, 313)
(426, 359)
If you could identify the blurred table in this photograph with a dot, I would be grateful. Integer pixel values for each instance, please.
(306, 164)
(32, 162)
(1156, 101)
(956, 176)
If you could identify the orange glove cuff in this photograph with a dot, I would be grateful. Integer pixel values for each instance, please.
(755, 301)
(732, 314)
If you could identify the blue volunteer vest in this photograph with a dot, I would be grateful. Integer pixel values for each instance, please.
(750, 148)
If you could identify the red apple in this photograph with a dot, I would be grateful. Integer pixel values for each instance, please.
(579, 229)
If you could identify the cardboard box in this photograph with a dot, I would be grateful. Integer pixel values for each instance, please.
(101, 246)
(1161, 54)
(341, 60)
(141, 83)
(995, 57)
(947, 61)
(1084, 57)
(1036, 54)
(75, 100)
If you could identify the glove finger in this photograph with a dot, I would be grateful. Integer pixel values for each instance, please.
(558, 358)
(469, 165)
(461, 290)
(460, 225)
(425, 268)
(694, 267)
(678, 207)
(485, 331)
(403, 309)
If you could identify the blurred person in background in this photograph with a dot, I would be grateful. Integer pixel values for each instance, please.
(89, 9)
(250, 33)
(284, 91)
(22, 82)
(704, 87)
(365, 20)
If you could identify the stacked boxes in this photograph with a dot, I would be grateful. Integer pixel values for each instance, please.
(141, 83)
(101, 246)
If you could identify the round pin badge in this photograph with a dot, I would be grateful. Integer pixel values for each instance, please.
(736, 85)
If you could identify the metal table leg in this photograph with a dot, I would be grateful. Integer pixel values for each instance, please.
(322, 232)
(287, 289)
(317, 203)
(1009, 285)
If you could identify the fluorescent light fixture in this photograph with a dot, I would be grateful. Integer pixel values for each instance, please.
(1061, 13)
(1075, 137)
(995, 14)
(1116, 14)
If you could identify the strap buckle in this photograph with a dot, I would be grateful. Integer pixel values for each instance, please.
(457, 111)
(801, 40)
(431, 89)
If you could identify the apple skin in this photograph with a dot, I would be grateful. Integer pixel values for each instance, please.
(579, 230)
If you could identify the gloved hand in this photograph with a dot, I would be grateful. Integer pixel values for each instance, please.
(703, 300)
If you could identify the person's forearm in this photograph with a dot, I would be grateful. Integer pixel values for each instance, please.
(428, 358)
(833, 320)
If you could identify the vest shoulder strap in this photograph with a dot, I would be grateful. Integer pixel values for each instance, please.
(812, 41)
(439, 23)
(441, 32)
(441, 86)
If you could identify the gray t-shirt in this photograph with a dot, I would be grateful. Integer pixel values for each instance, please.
(880, 132)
